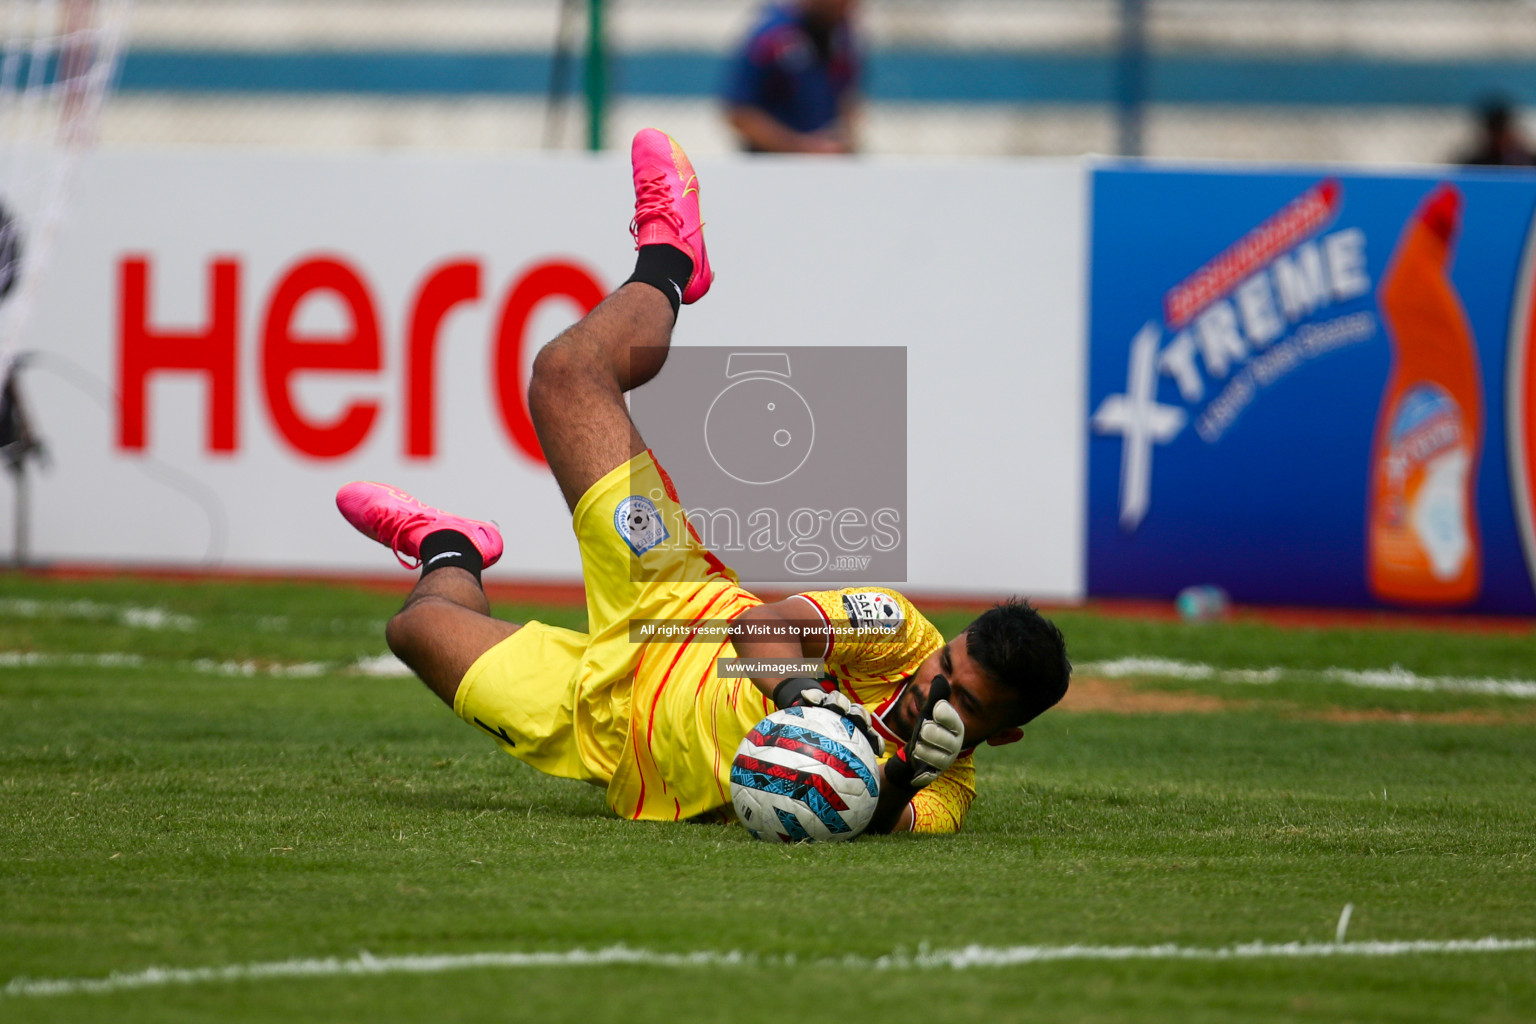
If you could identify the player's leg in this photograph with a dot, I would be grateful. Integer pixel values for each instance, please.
(445, 624)
(516, 683)
(576, 392)
(444, 627)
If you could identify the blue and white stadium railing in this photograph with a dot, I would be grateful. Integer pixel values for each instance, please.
(1265, 79)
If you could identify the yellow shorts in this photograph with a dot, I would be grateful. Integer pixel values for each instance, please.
(560, 700)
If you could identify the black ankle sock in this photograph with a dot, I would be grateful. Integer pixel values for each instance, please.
(444, 548)
(665, 268)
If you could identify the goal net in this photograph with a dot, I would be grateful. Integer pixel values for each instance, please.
(58, 64)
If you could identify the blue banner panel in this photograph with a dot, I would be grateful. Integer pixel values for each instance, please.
(1312, 387)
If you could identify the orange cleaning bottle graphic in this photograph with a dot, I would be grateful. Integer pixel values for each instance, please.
(1424, 545)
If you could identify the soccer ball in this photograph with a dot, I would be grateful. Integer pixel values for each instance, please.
(805, 774)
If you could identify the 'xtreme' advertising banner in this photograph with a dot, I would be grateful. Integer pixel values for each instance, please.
(1313, 388)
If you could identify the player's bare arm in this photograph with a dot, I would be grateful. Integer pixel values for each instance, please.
(780, 622)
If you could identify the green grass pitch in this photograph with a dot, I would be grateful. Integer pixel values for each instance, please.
(197, 775)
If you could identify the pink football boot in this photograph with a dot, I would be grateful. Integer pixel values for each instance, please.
(667, 204)
(400, 522)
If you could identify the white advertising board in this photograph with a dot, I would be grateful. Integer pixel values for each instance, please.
(225, 338)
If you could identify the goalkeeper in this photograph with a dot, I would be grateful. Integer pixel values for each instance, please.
(651, 721)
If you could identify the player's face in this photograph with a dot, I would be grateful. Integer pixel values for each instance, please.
(986, 708)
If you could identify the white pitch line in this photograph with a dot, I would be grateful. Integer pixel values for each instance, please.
(250, 669)
(40, 659)
(132, 615)
(383, 665)
(1394, 678)
(966, 958)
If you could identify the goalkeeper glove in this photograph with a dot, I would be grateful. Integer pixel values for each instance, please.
(801, 691)
(935, 742)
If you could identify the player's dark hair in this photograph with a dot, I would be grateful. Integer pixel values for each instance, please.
(1023, 651)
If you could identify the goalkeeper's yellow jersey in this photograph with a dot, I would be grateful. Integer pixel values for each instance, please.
(651, 720)
(685, 722)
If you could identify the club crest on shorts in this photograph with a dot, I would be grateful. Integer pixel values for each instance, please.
(639, 524)
(872, 610)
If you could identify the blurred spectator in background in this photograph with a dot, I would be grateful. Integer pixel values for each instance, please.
(1499, 142)
(793, 84)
